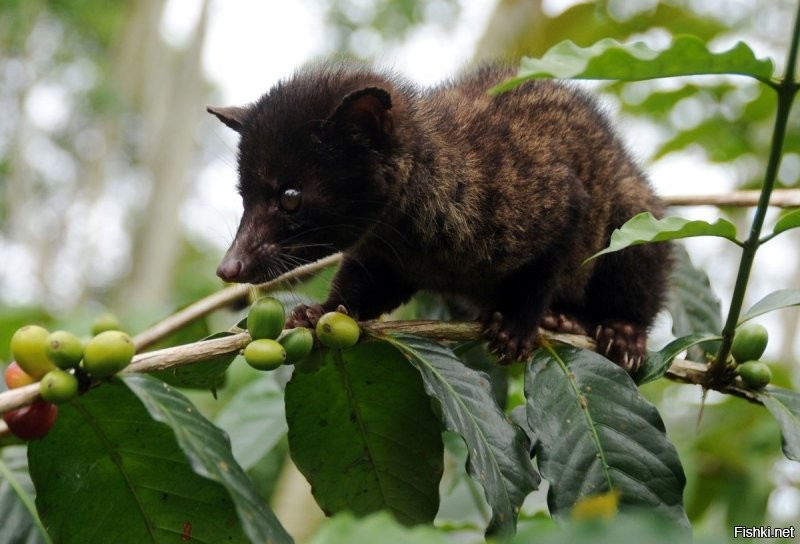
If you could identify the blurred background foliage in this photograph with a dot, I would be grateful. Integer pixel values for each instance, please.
(103, 139)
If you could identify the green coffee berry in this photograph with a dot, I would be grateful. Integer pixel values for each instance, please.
(337, 330)
(749, 342)
(64, 349)
(105, 322)
(755, 374)
(58, 386)
(298, 343)
(108, 353)
(264, 354)
(266, 318)
(28, 349)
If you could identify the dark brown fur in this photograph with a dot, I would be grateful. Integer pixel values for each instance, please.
(495, 198)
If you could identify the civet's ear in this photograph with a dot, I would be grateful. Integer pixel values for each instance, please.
(368, 111)
(233, 116)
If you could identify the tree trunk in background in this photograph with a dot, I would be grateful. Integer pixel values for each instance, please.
(20, 188)
(172, 99)
(24, 189)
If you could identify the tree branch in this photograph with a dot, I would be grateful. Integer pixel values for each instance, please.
(152, 361)
(680, 371)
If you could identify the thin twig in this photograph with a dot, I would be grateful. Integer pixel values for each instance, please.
(220, 299)
(14, 398)
(781, 198)
(185, 354)
(690, 372)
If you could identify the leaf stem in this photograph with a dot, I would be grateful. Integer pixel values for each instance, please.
(767, 238)
(786, 89)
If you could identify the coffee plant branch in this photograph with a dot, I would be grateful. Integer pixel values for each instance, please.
(197, 352)
(681, 370)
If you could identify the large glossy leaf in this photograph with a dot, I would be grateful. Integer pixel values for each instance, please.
(254, 419)
(609, 59)
(362, 431)
(784, 405)
(596, 433)
(776, 300)
(208, 451)
(498, 455)
(108, 472)
(645, 228)
(20, 522)
(658, 362)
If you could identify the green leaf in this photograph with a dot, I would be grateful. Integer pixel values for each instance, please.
(776, 300)
(596, 433)
(722, 140)
(474, 355)
(588, 22)
(380, 527)
(661, 103)
(499, 458)
(789, 221)
(207, 374)
(645, 228)
(638, 527)
(693, 305)
(609, 59)
(108, 472)
(209, 453)
(254, 419)
(20, 520)
(784, 405)
(658, 362)
(362, 431)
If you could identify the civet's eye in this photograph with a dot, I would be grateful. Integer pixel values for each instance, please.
(290, 200)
